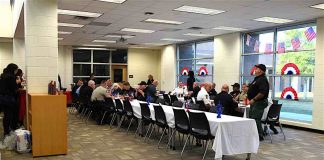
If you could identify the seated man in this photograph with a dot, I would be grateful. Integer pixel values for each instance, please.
(152, 92)
(230, 107)
(86, 92)
(236, 90)
(196, 89)
(213, 92)
(128, 91)
(100, 93)
(243, 95)
(204, 96)
(75, 96)
(180, 91)
(140, 91)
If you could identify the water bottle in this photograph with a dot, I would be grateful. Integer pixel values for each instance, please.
(187, 106)
(148, 100)
(219, 110)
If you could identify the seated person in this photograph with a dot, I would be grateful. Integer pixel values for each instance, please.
(236, 90)
(230, 107)
(180, 91)
(152, 92)
(204, 96)
(100, 93)
(212, 92)
(116, 90)
(196, 89)
(128, 91)
(86, 92)
(140, 91)
(74, 89)
(243, 95)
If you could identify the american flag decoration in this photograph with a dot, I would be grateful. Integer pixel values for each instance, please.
(281, 47)
(295, 43)
(268, 48)
(248, 40)
(256, 46)
(310, 34)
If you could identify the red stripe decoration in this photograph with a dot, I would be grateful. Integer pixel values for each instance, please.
(310, 34)
(289, 93)
(185, 71)
(203, 71)
(290, 69)
(252, 72)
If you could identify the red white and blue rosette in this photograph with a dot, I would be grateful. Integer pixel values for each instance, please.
(202, 71)
(185, 71)
(289, 93)
(290, 69)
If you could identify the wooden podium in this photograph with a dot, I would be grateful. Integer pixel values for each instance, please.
(47, 121)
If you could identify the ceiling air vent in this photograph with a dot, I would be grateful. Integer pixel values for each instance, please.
(170, 30)
(99, 24)
(82, 18)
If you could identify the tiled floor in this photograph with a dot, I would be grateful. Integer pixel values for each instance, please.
(93, 142)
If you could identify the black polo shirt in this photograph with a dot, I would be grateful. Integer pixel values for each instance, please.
(260, 84)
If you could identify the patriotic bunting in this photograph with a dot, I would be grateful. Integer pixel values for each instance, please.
(310, 34)
(281, 47)
(256, 46)
(248, 40)
(268, 48)
(295, 43)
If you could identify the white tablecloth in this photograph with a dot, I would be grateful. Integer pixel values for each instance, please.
(247, 108)
(233, 135)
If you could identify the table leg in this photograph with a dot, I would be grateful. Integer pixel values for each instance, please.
(248, 156)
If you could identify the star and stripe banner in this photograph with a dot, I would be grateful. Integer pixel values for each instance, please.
(310, 34)
(281, 47)
(248, 40)
(268, 48)
(256, 46)
(295, 43)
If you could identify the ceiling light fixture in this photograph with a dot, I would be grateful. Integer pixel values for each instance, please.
(70, 25)
(230, 28)
(137, 30)
(63, 32)
(94, 45)
(173, 39)
(196, 34)
(114, 1)
(151, 20)
(273, 20)
(119, 36)
(103, 41)
(318, 6)
(78, 13)
(199, 10)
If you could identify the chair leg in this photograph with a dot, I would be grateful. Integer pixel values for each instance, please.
(167, 146)
(282, 131)
(153, 129)
(130, 123)
(248, 156)
(88, 118)
(269, 133)
(206, 149)
(184, 146)
(146, 134)
(103, 117)
(112, 120)
(161, 138)
(139, 125)
(121, 122)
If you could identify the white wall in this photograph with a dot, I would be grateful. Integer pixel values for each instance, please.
(6, 19)
(168, 68)
(227, 59)
(5, 55)
(141, 63)
(65, 66)
(19, 53)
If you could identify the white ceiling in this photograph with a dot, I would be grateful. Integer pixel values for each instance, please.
(130, 14)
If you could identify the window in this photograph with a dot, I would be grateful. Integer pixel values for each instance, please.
(290, 66)
(197, 57)
(98, 62)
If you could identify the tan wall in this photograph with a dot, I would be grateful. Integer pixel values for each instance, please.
(141, 63)
(65, 66)
(168, 68)
(5, 55)
(6, 19)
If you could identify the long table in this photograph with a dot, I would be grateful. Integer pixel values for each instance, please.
(233, 135)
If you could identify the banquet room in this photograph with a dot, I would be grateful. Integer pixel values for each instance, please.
(162, 79)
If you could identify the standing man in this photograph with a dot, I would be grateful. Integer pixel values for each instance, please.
(258, 94)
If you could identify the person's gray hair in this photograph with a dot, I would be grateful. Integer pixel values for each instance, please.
(91, 82)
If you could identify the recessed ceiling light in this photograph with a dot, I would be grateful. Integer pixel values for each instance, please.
(63, 32)
(103, 41)
(199, 10)
(230, 28)
(60, 39)
(173, 39)
(196, 34)
(70, 25)
(78, 13)
(119, 36)
(151, 20)
(318, 6)
(137, 30)
(273, 20)
(114, 1)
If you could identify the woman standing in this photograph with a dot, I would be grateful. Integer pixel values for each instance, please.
(150, 79)
(9, 94)
(190, 80)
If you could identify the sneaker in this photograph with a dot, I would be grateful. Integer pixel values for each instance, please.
(274, 130)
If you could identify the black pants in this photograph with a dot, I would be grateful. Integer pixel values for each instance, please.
(10, 119)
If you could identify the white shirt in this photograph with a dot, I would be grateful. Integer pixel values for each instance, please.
(203, 96)
(100, 93)
(178, 91)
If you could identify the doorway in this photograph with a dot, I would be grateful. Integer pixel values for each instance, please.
(118, 73)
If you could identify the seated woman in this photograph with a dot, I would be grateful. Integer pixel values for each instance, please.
(242, 96)
(116, 90)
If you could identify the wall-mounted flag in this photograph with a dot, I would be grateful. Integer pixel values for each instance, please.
(256, 46)
(268, 48)
(295, 43)
(310, 34)
(290, 69)
(289, 93)
(202, 71)
(248, 40)
(185, 71)
(252, 72)
(281, 47)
